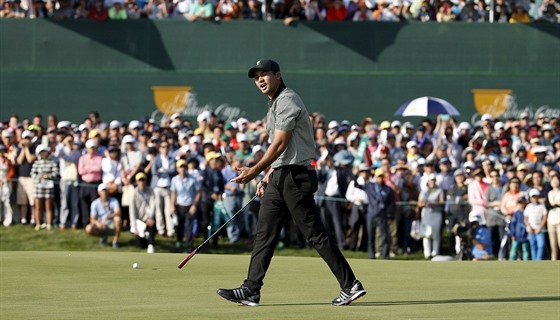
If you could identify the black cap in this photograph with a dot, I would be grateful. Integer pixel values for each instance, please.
(264, 65)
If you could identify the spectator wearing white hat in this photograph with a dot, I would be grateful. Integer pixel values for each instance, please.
(90, 171)
(358, 215)
(203, 122)
(69, 156)
(131, 160)
(8, 140)
(134, 127)
(105, 217)
(44, 172)
(25, 193)
(244, 150)
(547, 135)
(431, 202)
(535, 218)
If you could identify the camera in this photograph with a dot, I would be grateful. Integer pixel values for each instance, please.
(462, 230)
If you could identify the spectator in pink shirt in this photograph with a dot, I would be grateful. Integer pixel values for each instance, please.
(509, 199)
(90, 171)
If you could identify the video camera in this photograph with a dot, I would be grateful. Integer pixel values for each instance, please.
(462, 230)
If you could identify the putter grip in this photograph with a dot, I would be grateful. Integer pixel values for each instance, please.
(182, 263)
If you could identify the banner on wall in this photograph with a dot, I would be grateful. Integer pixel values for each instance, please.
(182, 99)
(502, 103)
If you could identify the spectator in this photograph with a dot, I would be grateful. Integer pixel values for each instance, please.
(483, 11)
(426, 13)
(25, 193)
(445, 14)
(7, 173)
(233, 196)
(553, 218)
(142, 213)
(185, 197)
(480, 238)
(69, 156)
(508, 205)
(278, 10)
(90, 171)
(457, 209)
(314, 12)
(227, 10)
(431, 201)
(98, 12)
(251, 11)
(163, 169)
(44, 171)
(117, 11)
(156, 9)
(295, 13)
(495, 221)
(202, 10)
(213, 183)
(520, 15)
(336, 11)
(519, 235)
(381, 212)
(105, 216)
(335, 180)
(358, 216)
(476, 194)
(535, 219)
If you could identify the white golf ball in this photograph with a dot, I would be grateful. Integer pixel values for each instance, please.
(135, 265)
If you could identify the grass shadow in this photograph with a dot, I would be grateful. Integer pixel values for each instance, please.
(426, 302)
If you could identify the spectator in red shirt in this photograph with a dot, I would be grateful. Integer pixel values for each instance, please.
(98, 12)
(337, 11)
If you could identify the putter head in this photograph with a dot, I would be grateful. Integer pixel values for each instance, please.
(187, 258)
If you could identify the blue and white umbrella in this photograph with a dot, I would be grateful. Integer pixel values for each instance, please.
(425, 106)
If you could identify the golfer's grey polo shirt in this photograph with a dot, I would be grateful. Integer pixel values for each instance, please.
(288, 113)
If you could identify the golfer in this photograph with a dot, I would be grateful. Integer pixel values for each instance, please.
(287, 190)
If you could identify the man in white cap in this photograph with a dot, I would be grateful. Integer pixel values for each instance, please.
(90, 171)
(105, 216)
(356, 194)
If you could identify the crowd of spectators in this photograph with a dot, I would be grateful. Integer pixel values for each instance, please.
(386, 188)
(290, 11)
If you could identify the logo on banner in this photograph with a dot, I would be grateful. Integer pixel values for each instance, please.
(182, 100)
(502, 103)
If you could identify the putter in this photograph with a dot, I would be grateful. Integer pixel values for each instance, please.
(182, 263)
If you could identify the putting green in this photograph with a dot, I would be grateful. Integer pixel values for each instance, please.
(103, 285)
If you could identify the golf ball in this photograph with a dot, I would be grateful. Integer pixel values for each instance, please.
(135, 265)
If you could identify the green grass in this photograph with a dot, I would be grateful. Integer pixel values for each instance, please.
(103, 285)
(24, 238)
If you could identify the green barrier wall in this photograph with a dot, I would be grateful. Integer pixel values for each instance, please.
(344, 70)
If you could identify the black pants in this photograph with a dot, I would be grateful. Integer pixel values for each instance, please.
(204, 218)
(88, 193)
(290, 194)
(143, 242)
(185, 226)
(375, 223)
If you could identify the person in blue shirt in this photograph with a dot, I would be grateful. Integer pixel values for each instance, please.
(185, 197)
(380, 212)
(480, 239)
(519, 234)
(105, 215)
(233, 198)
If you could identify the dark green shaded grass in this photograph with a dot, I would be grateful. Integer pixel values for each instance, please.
(25, 238)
